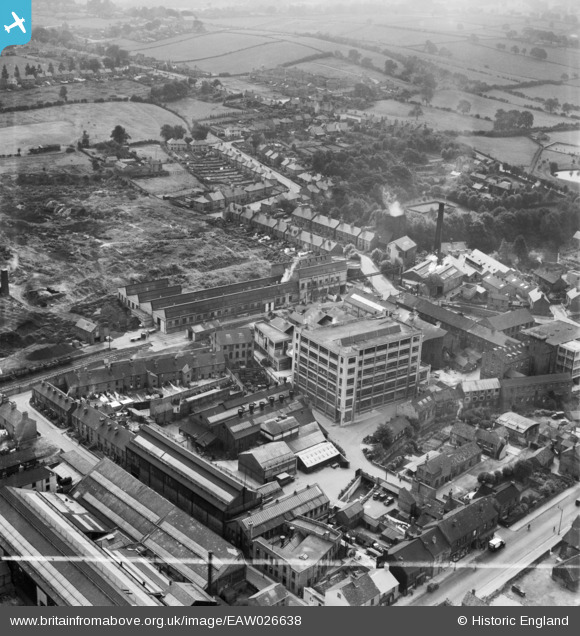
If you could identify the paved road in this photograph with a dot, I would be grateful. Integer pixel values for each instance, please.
(487, 572)
(47, 429)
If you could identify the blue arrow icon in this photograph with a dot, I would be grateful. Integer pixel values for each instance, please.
(16, 18)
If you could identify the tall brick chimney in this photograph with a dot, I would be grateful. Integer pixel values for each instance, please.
(439, 231)
(4, 283)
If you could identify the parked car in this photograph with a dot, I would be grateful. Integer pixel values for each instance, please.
(495, 544)
(432, 587)
(389, 501)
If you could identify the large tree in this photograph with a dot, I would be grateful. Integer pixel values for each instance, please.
(464, 106)
(120, 135)
(167, 132)
(538, 53)
(179, 132)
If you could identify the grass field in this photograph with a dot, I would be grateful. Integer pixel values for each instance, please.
(199, 46)
(193, 109)
(332, 67)
(563, 92)
(506, 63)
(440, 120)
(87, 90)
(21, 61)
(571, 137)
(268, 55)
(65, 124)
(488, 107)
(517, 151)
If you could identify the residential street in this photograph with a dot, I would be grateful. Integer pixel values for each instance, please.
(292, 187)
(48, 430)
(486, 572)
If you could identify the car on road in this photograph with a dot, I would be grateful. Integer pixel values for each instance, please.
(495, 544)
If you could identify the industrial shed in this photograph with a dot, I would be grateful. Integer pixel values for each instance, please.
(264, 463)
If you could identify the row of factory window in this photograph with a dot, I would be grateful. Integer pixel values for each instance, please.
(228, 310)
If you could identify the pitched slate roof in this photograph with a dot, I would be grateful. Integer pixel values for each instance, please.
(462, 522)
(510, 319)
(269, 455)
(86, 325)
(275, 513)
(463, 430)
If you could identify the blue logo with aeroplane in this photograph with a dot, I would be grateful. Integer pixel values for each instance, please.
(15, 22)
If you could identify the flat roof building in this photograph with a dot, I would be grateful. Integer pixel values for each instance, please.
(351, 368)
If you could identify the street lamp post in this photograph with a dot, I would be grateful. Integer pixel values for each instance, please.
(561, 515)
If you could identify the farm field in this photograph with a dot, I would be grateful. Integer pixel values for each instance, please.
(267, 55)
(364, 25)
(488, 107)
(179, 181)
(333, 67)
(21, 61)
(65, 124)
(199, 45)
(571, 137)
(563, 92)
(86, 90)
(517, 66)
(438, 119)
(517, 151)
